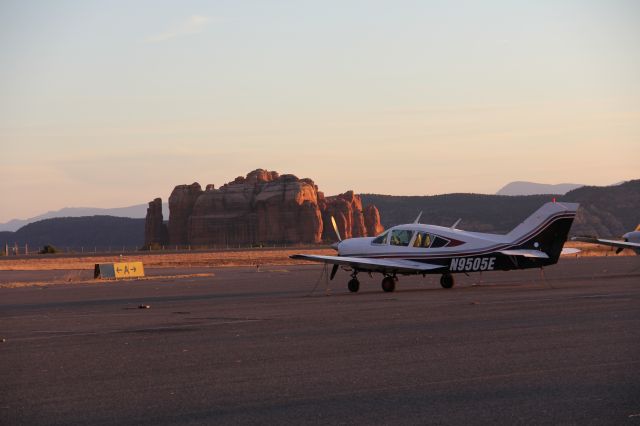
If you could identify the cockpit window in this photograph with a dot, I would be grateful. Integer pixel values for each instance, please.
(380, 239)
(423, 240)
(401, 237)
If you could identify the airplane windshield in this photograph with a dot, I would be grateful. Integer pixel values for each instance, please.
(380, 239)
(401, 237)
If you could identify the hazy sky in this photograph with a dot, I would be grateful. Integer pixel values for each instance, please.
(113, 103)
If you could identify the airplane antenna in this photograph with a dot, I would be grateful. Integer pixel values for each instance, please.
(456, 224)
(418, 218)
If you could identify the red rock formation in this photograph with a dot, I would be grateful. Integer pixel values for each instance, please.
(181, 202)
(155, 230)
(287, 210)
(223, 216)
(372, 220)
(346, 209)
(262, 208)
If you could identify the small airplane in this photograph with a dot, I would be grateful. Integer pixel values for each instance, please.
(419, 249)
(631, 241)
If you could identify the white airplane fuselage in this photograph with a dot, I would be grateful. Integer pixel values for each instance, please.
(472, 241)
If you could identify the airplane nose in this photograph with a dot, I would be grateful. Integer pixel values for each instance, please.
(335, 246)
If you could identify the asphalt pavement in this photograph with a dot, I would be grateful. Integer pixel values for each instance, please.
(278, 346)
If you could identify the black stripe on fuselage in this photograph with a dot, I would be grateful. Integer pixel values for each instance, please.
(494, 261)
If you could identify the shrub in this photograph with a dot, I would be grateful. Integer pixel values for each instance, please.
(48, 249)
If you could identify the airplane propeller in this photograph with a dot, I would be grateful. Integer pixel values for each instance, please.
(334, 246)
(335, 228)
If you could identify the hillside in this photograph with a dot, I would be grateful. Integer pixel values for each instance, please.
(605, 211)
(479, 212)
(101, 232)
(137, 211)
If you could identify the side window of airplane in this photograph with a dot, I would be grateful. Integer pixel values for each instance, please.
(401, 237)
(380, 239)
(439, 242)
(423, 240)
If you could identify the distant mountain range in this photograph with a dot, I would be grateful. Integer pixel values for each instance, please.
(137, 211)
(607, 211)
(140, 210)
(533, 188)
(79, 233)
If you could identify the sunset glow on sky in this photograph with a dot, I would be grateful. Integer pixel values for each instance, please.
(109, 104)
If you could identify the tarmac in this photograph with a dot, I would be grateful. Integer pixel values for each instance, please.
(277, 345)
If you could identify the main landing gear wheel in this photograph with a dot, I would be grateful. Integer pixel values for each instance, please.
(354, 285)
(447, 281)
(388, 284)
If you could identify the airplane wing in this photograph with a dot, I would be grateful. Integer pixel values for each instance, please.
(612, 243)
(526, 253)
(372, 265)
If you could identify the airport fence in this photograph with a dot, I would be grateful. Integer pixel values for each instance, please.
(22, 249)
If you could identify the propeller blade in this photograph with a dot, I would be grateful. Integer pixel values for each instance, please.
(335, 228)
(626, 240)
(333, 271)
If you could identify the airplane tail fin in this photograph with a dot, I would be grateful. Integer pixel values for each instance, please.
(545, 230)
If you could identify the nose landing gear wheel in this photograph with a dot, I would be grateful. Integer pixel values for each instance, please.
(447, 281)
(388, 284)
(354, 285)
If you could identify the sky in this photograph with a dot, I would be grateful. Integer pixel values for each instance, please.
(110, 104)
